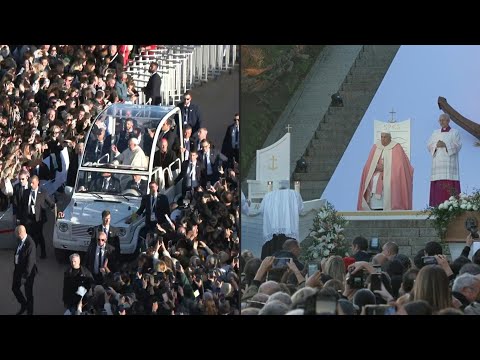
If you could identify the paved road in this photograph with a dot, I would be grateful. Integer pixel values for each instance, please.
(218, 100)
(48, 285)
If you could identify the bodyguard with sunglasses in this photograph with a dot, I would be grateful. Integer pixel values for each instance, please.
(19, 191)
(190, 113)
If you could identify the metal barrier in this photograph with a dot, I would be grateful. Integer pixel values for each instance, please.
(169, 176)
(177, 171)
(181, 68)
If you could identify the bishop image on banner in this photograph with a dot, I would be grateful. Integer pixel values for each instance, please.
(387, 178)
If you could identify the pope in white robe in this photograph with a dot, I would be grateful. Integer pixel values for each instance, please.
(133, 156)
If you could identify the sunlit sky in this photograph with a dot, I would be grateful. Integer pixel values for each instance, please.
(416, 78)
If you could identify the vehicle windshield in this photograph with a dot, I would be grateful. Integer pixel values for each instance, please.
(122, 137)
(107, 183)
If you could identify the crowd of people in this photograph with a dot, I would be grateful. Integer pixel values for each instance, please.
(49, 96)
(189, 259)
(365, 283)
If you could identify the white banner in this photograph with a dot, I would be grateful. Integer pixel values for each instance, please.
(51, 186)
(400, 133)
(273, 162)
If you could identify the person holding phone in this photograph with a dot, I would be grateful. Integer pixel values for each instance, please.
(294, 269)
(468, 245)
(291, 249)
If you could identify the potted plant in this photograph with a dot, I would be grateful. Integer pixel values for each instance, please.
(326, 236)
(449, 217)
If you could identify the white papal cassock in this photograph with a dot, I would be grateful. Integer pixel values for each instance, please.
(445, 160)
(281, 210)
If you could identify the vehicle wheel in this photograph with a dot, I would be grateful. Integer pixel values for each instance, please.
(61, 256)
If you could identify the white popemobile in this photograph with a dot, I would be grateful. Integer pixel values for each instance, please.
(90, 195)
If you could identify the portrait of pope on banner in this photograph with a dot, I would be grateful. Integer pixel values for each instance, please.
(387, 178)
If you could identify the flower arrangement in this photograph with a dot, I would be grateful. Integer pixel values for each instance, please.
(327, 235)
(455, 206)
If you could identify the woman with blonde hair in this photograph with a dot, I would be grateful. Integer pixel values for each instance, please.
(335, 268)
(432, 285)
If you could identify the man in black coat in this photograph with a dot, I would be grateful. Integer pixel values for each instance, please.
(359, 249)
(155, 206)
(164, 157)
(231, 141)
(188, 142)
(111, 231)
(116, 60)
(125, 135)
(190, 113)
(55, 147)
(75, 277)
(98, 149)
(20, 190)
(192, 173)
(100, 258)
(198, 137)
(33, 215)
(170, 135)
(75, 158)
(25, 270)
(138, 184)
(290, 249)
(152, 90)
(106, 183)
(212, 161)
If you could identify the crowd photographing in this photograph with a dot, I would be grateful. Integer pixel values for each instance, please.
(188, 260)
(382, 282)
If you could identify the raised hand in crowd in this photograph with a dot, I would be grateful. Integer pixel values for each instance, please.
(361, 265)
(383, 292)
(443, 262)
(314, 281)
(265, 267)
(162, 230)
(469, 240)
(236, 263)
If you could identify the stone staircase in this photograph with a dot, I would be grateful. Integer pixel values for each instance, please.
(331, 138)
(311, 100)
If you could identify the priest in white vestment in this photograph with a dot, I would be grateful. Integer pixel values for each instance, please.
(281, 214)
(444, 146)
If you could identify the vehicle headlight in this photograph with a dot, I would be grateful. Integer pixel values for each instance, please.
(122, 231)
(63, 227)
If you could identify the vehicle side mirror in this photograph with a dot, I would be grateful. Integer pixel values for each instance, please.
(68, 190)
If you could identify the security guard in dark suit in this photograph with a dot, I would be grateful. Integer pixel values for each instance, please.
(25, 270)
